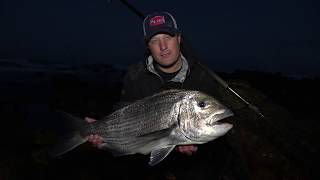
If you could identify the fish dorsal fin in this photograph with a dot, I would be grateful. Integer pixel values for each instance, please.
(159, 154)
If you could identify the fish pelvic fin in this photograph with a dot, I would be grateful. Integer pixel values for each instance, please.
(67, 144)
(158, 155)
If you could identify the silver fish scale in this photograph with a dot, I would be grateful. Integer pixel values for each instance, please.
(143, 117)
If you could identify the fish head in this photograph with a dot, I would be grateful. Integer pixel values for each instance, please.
(201, 117)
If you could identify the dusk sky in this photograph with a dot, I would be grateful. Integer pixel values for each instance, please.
(265, 35)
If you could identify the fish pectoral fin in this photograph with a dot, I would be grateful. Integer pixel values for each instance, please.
(159, 154)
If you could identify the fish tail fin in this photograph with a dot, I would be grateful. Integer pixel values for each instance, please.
(70, 140)
(66, 145)
(73, 122)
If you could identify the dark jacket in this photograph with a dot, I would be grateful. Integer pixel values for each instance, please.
(139, 82)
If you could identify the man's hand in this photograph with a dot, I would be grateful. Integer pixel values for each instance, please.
(89, 120)
(94, 139)
(187, 149)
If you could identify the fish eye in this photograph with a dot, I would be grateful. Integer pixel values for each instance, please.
(202, 104)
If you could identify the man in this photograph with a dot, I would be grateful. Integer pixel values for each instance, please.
(169, 66)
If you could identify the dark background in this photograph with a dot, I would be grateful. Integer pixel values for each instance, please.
(268, 35)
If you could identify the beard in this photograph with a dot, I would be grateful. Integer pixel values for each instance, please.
(166, 66)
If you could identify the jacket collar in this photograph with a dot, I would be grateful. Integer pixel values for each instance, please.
(180, 77)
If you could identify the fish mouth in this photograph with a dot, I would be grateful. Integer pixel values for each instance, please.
(226, 120)
(221, 118)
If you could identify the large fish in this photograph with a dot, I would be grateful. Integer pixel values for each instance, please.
(155, 124)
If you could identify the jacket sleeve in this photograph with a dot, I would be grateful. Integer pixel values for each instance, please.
(130, 89)
(126, 91)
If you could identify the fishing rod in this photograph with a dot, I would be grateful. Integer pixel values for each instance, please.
(226, 85)
(131, 7)
(213, 74)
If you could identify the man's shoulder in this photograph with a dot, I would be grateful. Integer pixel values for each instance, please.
(134, 70)
(134, 66)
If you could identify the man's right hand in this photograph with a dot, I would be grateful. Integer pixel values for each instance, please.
(187, 149)
(94, 139)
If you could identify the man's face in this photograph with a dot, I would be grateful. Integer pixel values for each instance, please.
(165, 49)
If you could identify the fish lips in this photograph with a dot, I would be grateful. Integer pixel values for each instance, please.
(221, 118)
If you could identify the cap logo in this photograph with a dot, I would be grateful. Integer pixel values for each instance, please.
(157, 20)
